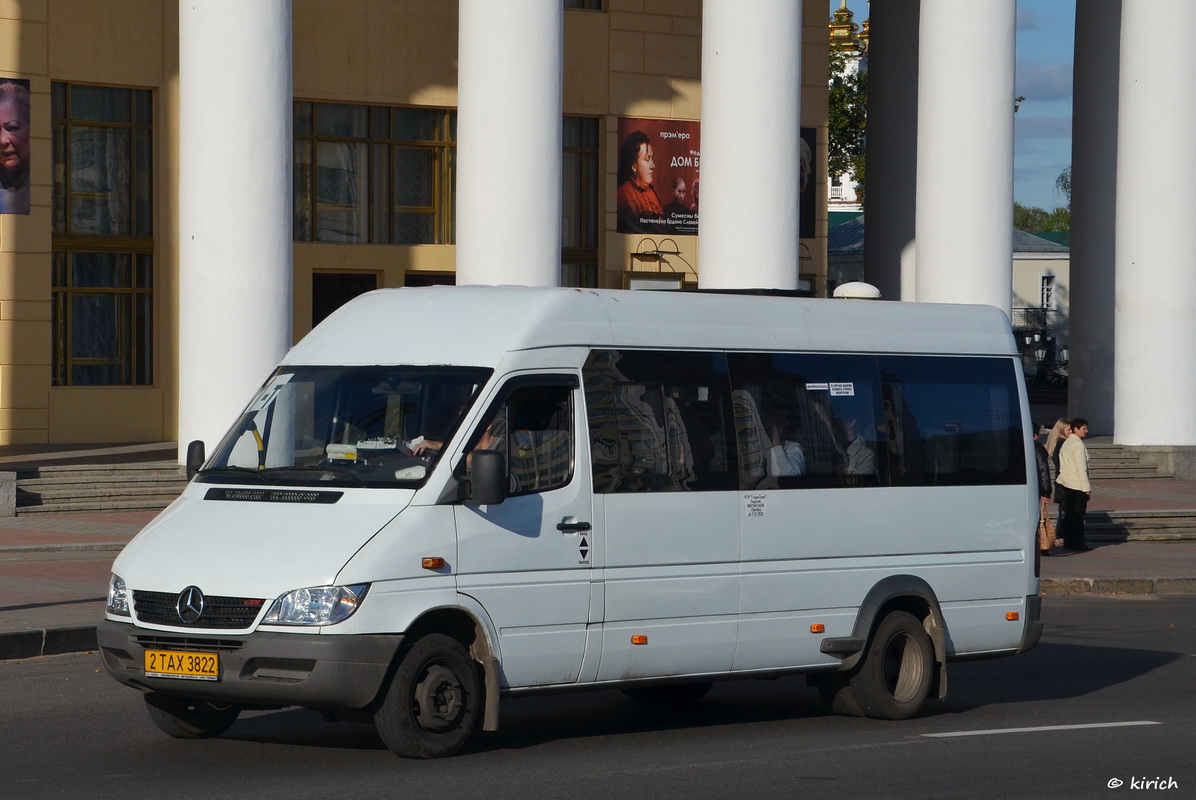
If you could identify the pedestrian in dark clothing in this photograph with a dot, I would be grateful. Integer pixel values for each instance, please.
(1046, 533)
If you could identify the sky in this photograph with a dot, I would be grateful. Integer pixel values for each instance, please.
(1042, 127)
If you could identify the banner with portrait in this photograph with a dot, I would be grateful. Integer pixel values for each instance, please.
(657, 182)
(808, 182)
(14, 146)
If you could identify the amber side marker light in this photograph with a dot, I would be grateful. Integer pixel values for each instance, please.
(433, 562)
(639, 638)
(1012, 616)
(817, 627)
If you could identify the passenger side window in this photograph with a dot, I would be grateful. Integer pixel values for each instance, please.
(659, 422)
(952, 421)
(808, 421)
(534, 428)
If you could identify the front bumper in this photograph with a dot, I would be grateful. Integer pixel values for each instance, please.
(259, 669)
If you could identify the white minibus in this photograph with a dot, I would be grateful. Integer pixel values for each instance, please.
(448, 496)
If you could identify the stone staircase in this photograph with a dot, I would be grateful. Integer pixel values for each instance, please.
(98, 487)
(1140, 526)
(1112, 461)
(1108, 461)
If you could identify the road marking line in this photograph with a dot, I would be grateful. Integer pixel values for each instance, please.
(1041, 728)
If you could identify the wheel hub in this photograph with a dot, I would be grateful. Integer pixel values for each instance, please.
(438, 699)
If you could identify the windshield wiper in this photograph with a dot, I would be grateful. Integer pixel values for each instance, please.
(246, 471)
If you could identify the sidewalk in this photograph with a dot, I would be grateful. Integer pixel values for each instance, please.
(54, 568)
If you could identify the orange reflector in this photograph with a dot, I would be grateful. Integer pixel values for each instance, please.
(1012, 616)
(433, 562)
(639, 638)
(817, 627)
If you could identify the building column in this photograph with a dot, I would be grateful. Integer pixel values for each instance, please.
(509, 142)
(964, 217)
(892, 148)
(751, 115)
(1154, 360)
(1090, 285)
(235, 196)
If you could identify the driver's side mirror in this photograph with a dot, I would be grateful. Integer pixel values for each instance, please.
(487, 478)
(195, 458)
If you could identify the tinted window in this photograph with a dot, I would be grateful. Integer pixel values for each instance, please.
(534, 428)
(806, 420)
(683, 421)
(952, 421)
(659, 422)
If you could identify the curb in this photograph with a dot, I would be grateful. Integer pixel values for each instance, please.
(47, 642)
(93, 547)
(1066, 586)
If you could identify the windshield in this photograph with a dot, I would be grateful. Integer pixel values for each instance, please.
(346, 426)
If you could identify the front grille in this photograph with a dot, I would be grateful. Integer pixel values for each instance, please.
(161, 608)
(188, 643)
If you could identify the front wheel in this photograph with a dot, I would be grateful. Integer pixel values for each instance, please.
(431, 705)
(189, 719)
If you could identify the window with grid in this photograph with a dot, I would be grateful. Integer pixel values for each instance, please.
(579, 202)
(102, 222)
(374, 174)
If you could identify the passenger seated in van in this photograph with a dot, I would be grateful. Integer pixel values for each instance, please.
(784, 457)
(860, 458)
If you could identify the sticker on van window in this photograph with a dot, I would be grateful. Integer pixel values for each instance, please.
(755, 505)
(818, 387)
(269, 391)
(842, 390)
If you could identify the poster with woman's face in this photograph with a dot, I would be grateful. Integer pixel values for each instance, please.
(807, 183)
(14, 146)
(657, 183)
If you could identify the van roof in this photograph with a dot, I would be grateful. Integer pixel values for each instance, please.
(478, 325)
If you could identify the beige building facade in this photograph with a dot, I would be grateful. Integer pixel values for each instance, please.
(89, 278)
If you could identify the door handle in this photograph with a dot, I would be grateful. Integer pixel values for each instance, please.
(568, 525)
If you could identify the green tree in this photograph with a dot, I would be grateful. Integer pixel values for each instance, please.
(1028, 218)
(1033, 219)
(1063, 184)
(848, 123)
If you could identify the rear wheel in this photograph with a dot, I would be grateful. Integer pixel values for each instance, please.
(189, 719)
(894, 679)
(673, 694)
(431, 706)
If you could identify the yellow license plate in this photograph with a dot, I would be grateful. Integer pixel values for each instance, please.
(178, 664)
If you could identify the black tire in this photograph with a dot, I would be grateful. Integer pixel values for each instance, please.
(673, 694)
(189, 719)
(893, 680)
(432, 704)
(838, 695)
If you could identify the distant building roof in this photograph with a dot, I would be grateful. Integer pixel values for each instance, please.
(1058, 237)
(847, 239)
(1035, 243)
(836, 218)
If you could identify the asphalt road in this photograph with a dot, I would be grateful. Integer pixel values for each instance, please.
(1106, 697)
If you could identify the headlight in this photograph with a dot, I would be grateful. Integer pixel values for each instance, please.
(118, 596)
(316, 605)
